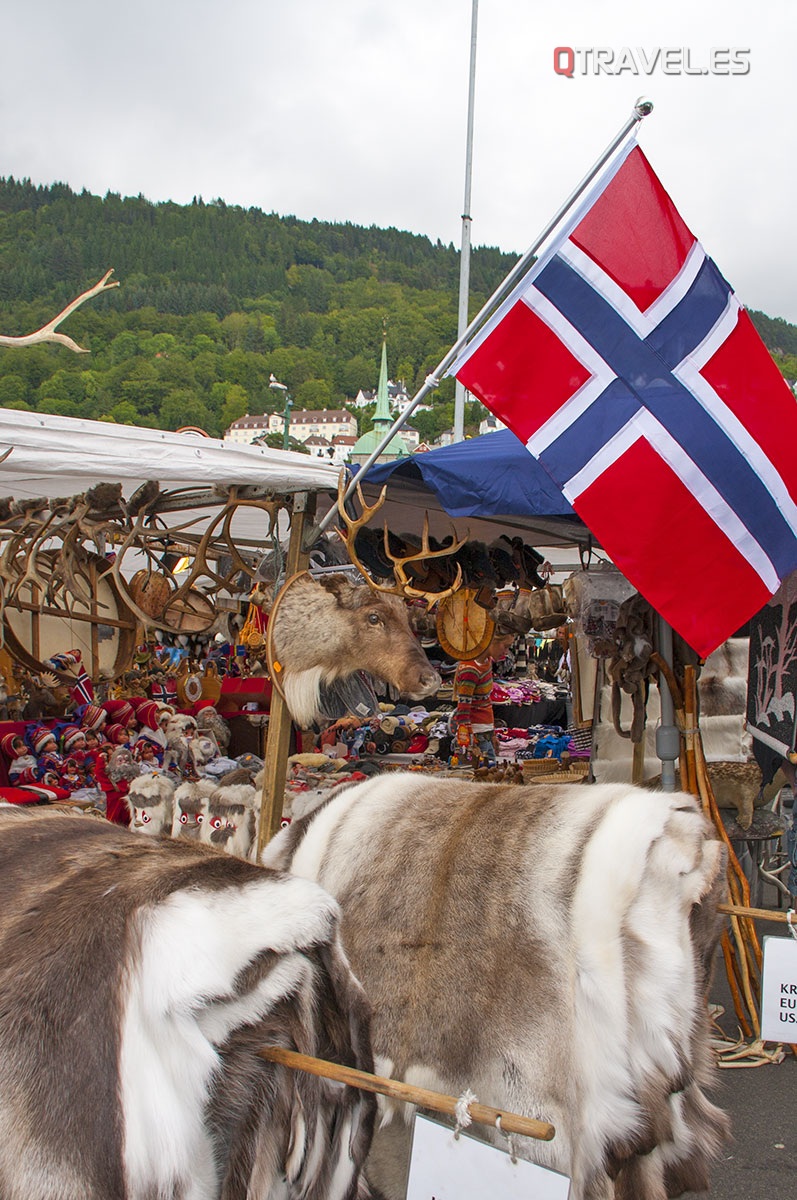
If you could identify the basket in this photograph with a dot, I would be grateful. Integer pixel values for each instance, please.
(574, 774)
(539, 766)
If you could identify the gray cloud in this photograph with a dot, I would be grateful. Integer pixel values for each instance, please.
(356, 111)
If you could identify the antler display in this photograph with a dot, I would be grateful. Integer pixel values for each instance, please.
(48, 547)
(402, 585)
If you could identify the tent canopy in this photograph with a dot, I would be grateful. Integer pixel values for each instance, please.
(60, 456)
(488, 485)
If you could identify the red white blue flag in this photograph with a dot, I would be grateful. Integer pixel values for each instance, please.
(628, 368)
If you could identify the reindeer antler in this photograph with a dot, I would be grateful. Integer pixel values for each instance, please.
(47, 332)
(402, 586)
(424, 553)
(354, 524)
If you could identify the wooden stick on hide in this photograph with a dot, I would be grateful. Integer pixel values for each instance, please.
(483, 1114)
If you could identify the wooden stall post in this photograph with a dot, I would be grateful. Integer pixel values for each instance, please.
(275, 767)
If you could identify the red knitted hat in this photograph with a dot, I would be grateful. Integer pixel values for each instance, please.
(40, 737)
(119, 711)
(116, 733)
(69, 735)
(7, 743)
(148, 713)
(94, 717)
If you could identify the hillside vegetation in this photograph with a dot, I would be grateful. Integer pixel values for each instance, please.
(215, 298)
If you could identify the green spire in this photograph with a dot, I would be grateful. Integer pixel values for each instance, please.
(382, 411)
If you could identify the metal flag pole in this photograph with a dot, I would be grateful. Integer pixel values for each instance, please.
(464, 258)
(641, 109)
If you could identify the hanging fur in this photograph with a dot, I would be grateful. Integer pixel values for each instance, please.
(150, 801)
(139, 978)
(548, 947)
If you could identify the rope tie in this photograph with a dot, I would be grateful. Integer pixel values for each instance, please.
(462, 1111)
(509, 1138)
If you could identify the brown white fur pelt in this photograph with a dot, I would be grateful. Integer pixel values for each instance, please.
(191, 808)
(150, 800)
(230, 822)
(327, 629)
(138, 979)
(547, 947)
(209, 720)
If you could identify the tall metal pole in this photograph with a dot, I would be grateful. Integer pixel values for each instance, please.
(464, 260)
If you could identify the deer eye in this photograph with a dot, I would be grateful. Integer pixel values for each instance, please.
(145, 818)
(373, 618)
(183, 818)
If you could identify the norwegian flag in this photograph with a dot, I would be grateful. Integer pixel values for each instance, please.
(629, 369)
(82, 691)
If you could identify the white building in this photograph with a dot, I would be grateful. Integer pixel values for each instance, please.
(327, 423)
(246, 429)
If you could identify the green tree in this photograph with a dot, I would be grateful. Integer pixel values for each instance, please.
(236, 405)
(12, 391)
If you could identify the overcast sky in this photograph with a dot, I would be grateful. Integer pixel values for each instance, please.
(355, 110)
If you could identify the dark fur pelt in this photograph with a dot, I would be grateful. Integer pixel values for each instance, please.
(138, 978)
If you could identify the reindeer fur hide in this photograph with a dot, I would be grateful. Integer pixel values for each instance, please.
(547, 947)
(138, 977)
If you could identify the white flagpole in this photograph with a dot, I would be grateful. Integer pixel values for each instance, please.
(464, 259)
(641, 109)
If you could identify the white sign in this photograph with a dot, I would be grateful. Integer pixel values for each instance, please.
(779, 990)
(443, 1167)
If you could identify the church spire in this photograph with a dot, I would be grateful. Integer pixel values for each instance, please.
(382, 411)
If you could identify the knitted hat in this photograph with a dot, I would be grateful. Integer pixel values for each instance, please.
(135, 702)
(120, 712)
(7, 743)
(39, 738)
(116, 733)
(69, 735)
(147, 714)
(93, 717)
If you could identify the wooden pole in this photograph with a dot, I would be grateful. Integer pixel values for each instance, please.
(483, 1114)
(275, 766)
(689, 784)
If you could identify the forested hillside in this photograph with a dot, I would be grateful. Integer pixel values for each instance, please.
(214, 299)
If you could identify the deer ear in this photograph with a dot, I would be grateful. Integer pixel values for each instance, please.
(337, 585)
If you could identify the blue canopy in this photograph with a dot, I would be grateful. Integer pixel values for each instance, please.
(492, 480)
(488, 476)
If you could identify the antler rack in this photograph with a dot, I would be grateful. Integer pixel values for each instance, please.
(403, 584)
(47, 547)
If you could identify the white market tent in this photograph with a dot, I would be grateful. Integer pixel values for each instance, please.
(60, 456)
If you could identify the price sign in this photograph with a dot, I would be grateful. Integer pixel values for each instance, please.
(779, 990)
(443, 1167)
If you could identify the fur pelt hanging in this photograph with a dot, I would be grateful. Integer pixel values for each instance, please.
(139, 978)
(630, 668)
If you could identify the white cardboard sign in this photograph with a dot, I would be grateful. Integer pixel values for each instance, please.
(443, 1167)
(779, 990)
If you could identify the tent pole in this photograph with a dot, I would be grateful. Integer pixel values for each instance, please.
(641, 109)
(275, 765)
